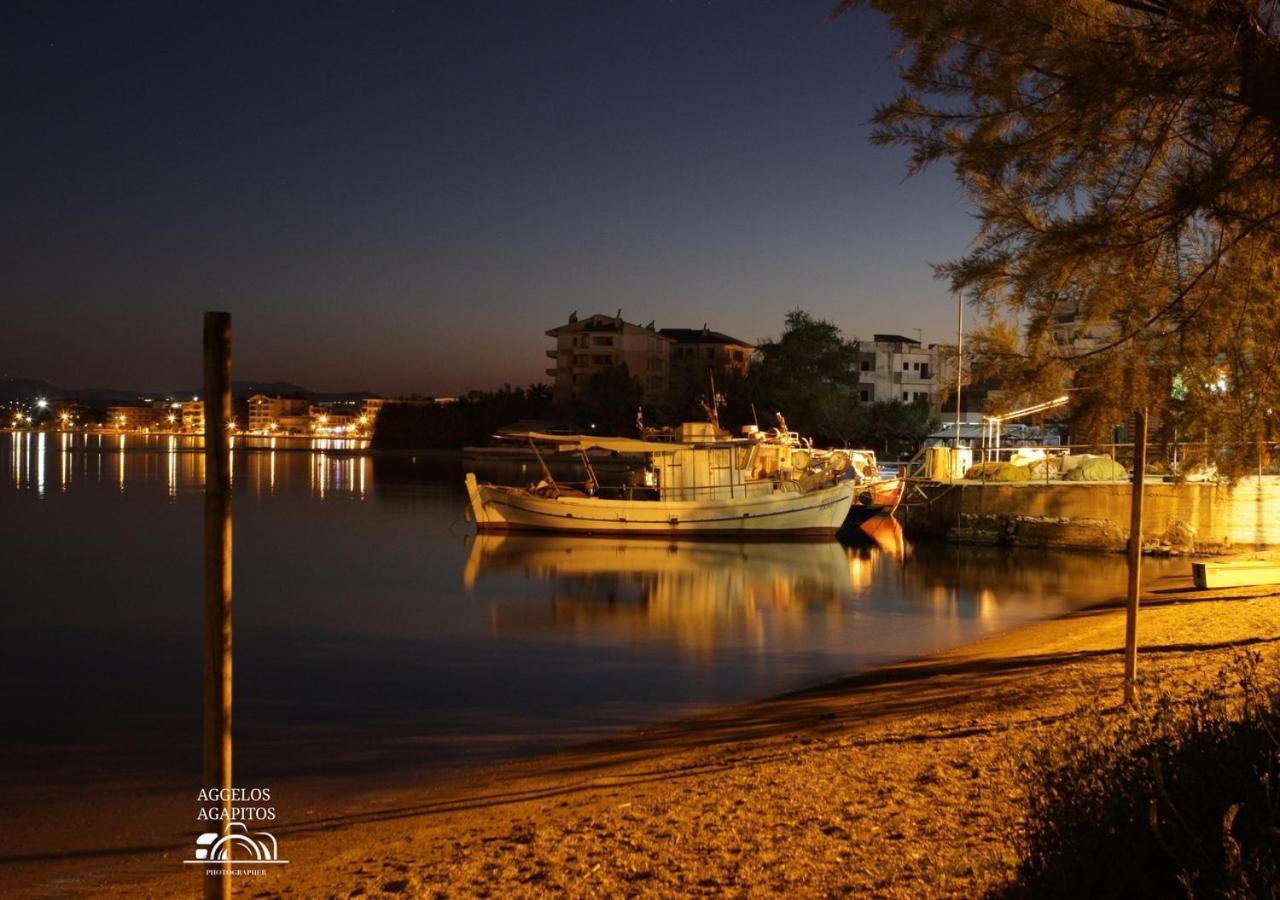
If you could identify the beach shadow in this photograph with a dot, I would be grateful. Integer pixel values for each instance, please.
(747, 736)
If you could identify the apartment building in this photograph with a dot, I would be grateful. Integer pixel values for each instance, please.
(893, 367)
(587, 346)
(282, 414)
(132, 417)
(1073, 334)
(191, 413)
(703, 350)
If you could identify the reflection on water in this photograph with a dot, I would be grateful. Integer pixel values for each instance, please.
(375, 635)
(336, 465)
(690, 592)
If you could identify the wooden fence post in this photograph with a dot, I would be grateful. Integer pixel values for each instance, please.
(1135, 558)
(217, 576)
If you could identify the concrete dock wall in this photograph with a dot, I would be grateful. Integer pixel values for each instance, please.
(1179, 518)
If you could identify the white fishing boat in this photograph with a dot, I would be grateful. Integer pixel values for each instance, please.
(701, 483)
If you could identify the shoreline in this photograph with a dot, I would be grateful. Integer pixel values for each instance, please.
(899, 780)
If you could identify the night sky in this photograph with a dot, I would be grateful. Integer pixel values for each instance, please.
(404, 197)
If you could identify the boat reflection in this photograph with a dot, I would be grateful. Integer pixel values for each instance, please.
(886, 533)
(697, 594)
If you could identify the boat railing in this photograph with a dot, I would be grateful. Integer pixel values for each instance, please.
(690, 492)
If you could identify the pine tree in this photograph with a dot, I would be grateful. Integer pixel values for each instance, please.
(1124, 159)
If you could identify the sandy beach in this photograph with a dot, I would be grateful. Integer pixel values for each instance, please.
(902, 781)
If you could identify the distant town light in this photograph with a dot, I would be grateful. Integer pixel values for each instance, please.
(42, 403)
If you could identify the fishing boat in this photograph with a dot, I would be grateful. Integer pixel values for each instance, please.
(699, 482)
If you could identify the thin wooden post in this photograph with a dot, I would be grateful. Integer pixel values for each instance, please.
(1135, 558)
(959, 372)
(217, 576)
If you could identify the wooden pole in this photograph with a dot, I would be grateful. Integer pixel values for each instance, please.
(217, 575)
(959, 370)
(1135, 559)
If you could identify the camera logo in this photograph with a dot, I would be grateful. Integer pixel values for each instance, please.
(234, 847)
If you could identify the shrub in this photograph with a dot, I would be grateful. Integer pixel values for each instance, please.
(1178, 798)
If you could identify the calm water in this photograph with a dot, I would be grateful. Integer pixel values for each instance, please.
(376, 635)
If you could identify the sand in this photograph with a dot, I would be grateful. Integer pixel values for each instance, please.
(900, 782)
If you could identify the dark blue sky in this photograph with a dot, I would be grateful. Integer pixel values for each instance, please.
(404, 197)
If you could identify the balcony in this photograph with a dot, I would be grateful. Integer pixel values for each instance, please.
(553, 354)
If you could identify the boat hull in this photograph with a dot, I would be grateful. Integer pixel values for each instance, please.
(878, 496)
(819, 513)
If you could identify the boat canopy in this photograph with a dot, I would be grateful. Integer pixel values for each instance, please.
(565, 443)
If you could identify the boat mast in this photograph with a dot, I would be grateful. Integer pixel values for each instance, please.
(546, 473)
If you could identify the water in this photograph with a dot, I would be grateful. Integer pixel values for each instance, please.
(376, 638)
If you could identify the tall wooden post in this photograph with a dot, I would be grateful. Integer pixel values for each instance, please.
(959, 373)
(1135, 558)
(217, 575)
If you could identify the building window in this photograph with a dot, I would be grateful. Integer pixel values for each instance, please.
(868, 366)
(602, 341)
(904, 365)
(864, 396)
(915, 366)
(905, 396)
(601, 359)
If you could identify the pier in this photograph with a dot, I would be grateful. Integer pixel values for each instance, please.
(1188, 517)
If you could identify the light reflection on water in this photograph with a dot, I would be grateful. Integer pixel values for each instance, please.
(374, 633)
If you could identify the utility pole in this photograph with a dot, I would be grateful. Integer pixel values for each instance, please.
(217, 581)
(1135, 559)
(959, 368)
